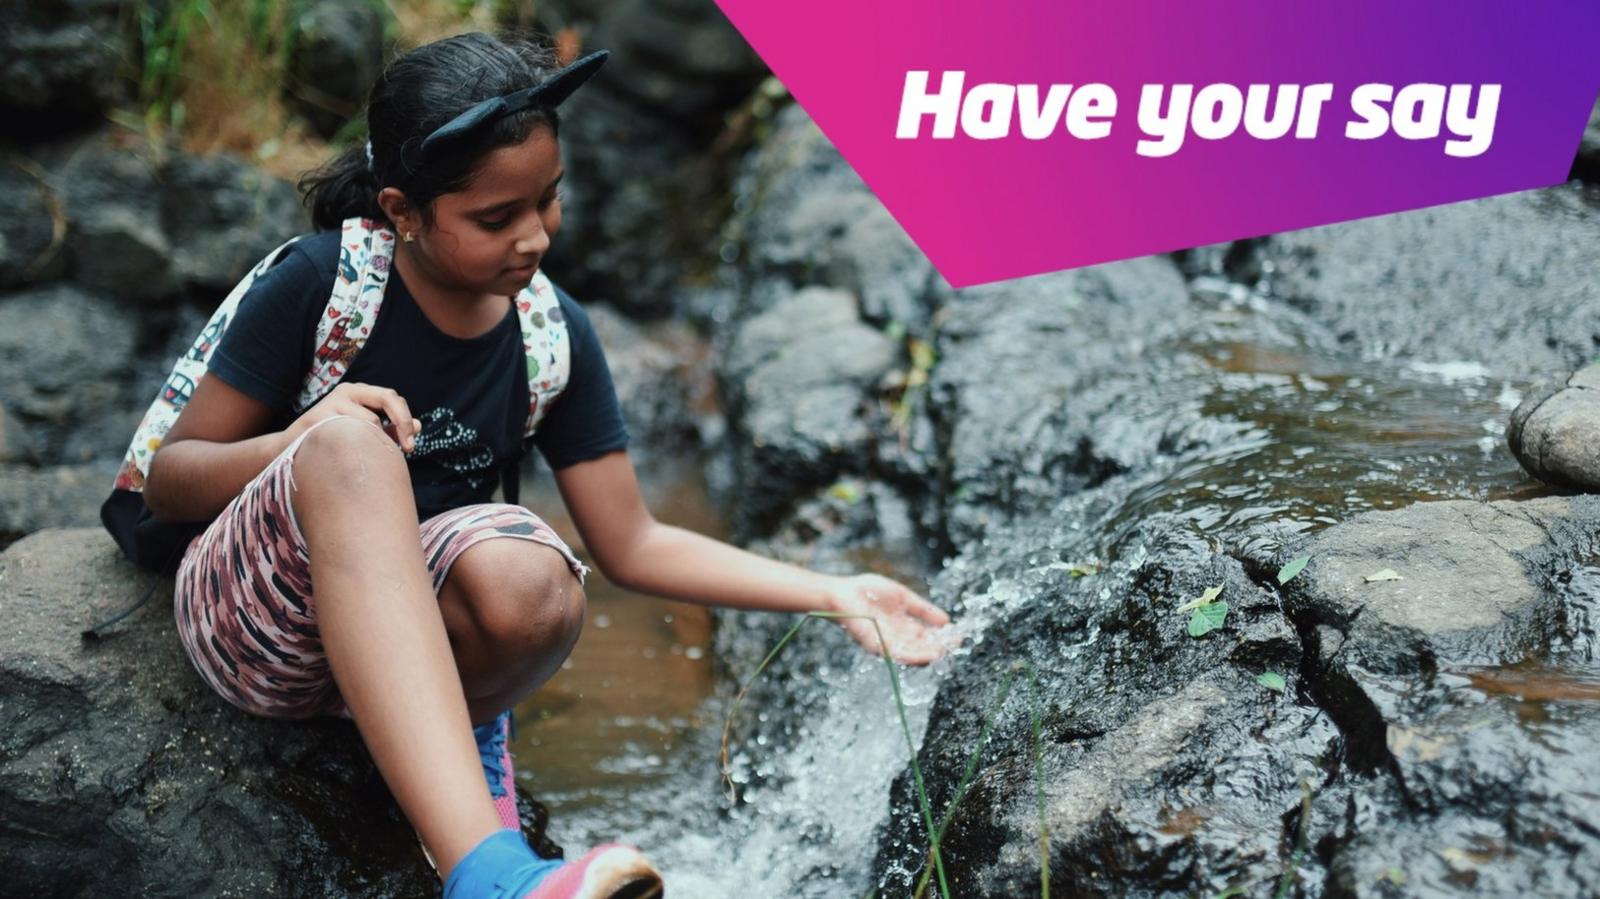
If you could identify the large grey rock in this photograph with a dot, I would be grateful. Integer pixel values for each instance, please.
(59, 63)
(221, 216)
(33, 499)
(65, 356)
(115, 751)
(683, 59)
(1468, 687)
(1033, 382)
(1555, 431)
(1165, 769)
(799, 379)
(115, 238)
(803, 216)
(649, 147)
(122, 773)
(1506, 281)
(147, 230)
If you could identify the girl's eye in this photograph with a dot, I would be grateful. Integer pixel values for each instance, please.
(551, 200)
(495, 225)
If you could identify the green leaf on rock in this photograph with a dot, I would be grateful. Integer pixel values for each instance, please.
(1207, 618)
(1083, 569)
(1272, 680)
(1387, 574)
(1287, 572)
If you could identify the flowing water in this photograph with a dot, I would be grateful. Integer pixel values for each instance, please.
(624, 744)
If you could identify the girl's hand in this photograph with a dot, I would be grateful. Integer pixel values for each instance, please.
(909, 622)
(380, 405)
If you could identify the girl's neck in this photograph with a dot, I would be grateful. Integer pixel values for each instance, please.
(463, 314)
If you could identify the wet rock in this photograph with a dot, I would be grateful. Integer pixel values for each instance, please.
(1555, 431)
(114, 749)
(1466, 689)
(58, 64)
(1433, 580)
(798, 377)
(1165, 767)
(1505, 281)
(64, 358)
(338, 55)
(662, 371)
(1433, 723)
(809, 219)
(1032, 386)
(33, 499)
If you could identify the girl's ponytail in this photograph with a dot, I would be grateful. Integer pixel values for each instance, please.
(343, 188)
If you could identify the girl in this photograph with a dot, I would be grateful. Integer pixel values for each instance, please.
(351, 563)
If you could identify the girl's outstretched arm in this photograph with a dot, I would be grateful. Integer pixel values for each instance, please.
(639, 553)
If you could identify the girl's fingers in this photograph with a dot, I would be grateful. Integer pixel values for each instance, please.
(356, 410)
(394, 407)
(929, 612)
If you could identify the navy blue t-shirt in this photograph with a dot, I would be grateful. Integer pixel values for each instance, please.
(470, 394)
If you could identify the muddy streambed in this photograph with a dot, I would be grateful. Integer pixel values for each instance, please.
(613, 720)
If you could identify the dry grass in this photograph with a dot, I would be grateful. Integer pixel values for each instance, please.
(213, 72)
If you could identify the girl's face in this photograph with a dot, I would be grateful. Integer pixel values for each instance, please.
(492, 236)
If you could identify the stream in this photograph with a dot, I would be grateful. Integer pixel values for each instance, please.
(624, 744)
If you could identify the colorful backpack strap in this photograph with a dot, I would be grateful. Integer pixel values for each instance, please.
(546, 343)
(366, 251)
(180, 384)
(366, 248)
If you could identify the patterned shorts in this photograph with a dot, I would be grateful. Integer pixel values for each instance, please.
(244, 600)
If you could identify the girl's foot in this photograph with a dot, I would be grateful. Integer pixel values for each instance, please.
(496, 758)
(503, 867)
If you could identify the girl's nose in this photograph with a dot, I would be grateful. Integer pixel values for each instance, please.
(535, 240)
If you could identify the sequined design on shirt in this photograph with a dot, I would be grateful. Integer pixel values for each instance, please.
(451, 444)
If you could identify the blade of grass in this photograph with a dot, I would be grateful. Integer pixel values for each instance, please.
(1038, 777)
(1286, 884)
(967, 775)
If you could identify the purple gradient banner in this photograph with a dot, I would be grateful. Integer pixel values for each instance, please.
(1025, 185)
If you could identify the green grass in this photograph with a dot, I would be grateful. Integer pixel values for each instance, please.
(936, 867)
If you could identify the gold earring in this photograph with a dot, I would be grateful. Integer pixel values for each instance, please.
(408, 238)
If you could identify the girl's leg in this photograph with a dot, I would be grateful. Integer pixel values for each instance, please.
(382, 630)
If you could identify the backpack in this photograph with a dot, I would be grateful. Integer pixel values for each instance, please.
(366, 249)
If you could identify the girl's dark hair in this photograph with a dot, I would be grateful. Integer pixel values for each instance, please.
(418, 92)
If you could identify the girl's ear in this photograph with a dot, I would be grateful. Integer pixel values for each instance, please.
(394, 204)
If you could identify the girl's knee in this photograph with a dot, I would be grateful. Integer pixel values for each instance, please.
(523, 597)
(350, 455)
